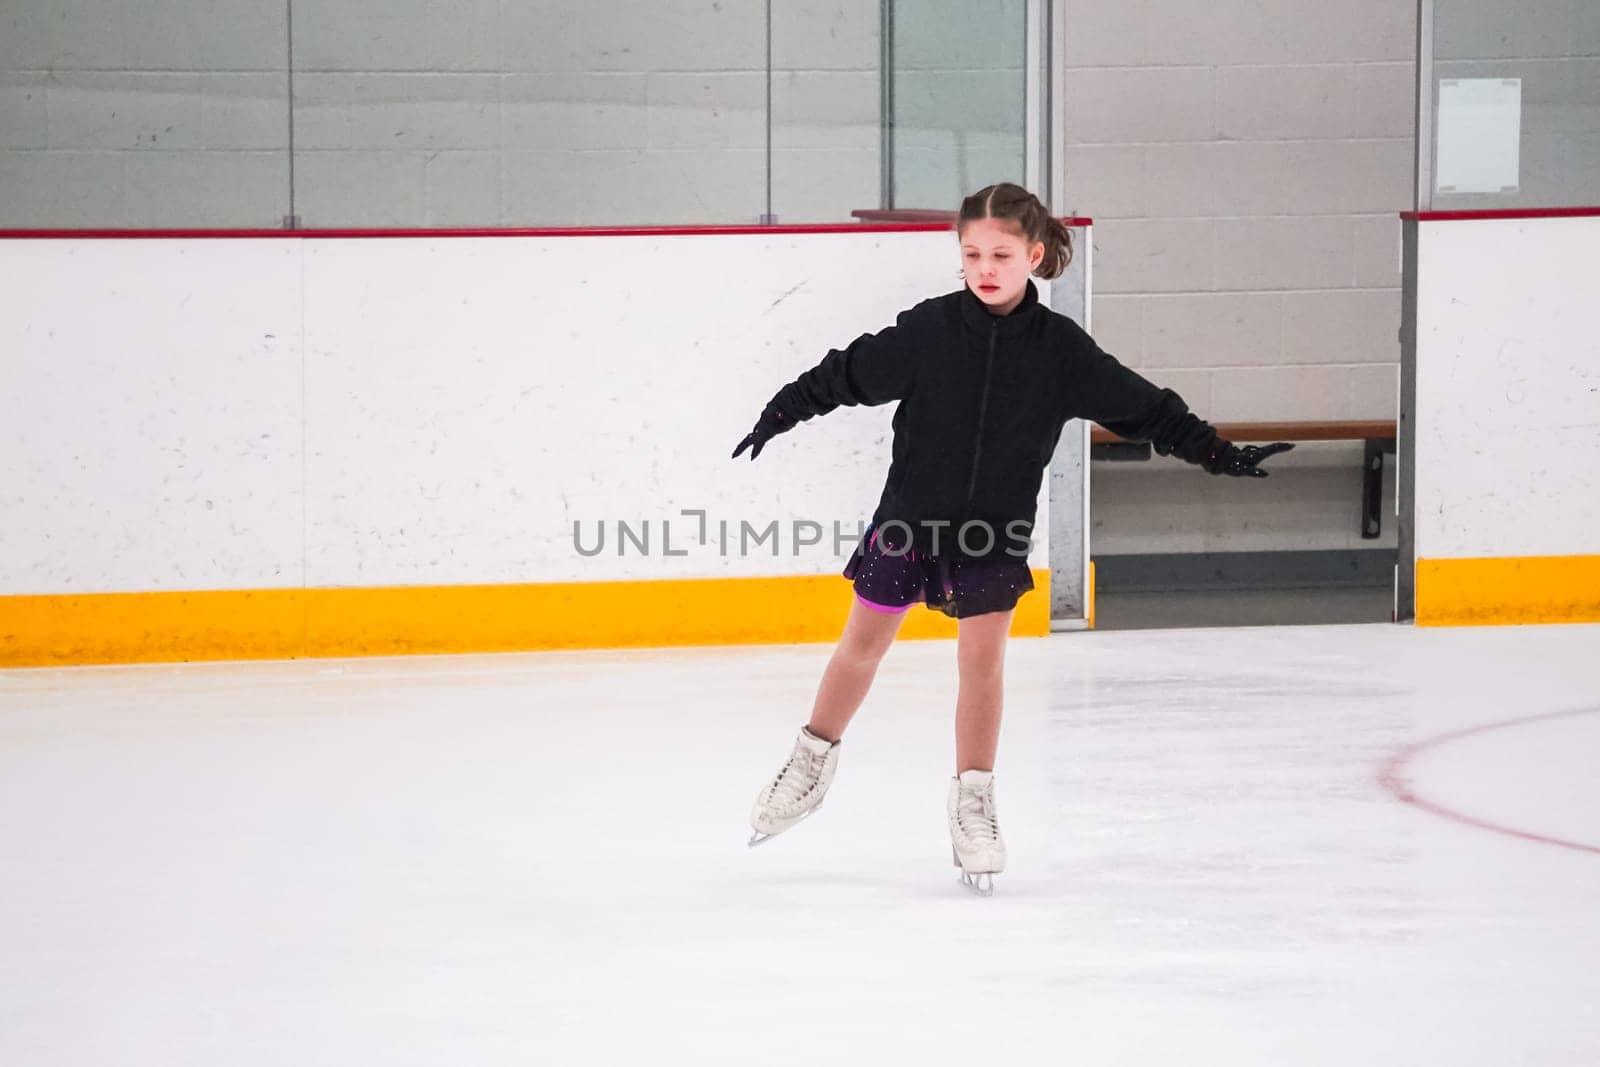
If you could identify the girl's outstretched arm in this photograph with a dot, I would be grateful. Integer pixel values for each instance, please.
(875, 368)
(1131, 406)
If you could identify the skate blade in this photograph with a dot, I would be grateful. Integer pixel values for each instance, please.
(981, 883)
(759, 838)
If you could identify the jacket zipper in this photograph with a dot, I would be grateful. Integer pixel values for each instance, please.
(983, 409)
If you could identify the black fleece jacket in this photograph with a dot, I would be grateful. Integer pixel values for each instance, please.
(983, 399)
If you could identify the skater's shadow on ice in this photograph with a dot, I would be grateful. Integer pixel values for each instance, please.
(934, 887)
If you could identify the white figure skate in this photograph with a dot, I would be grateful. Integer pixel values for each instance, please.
(975, 842)
(798, 789)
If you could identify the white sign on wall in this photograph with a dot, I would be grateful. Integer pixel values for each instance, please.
(1480, 135)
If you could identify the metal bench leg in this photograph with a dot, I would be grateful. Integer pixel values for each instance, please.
(1372, 490)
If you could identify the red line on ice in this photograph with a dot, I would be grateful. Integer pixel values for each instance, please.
(1392, 777)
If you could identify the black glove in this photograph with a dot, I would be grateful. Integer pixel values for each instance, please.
(1228, 458)
(773, 421)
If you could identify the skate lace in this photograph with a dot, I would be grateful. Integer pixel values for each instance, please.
(798, 777)
(976, 816)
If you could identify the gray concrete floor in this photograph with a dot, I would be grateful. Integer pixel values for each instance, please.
(1243, 607)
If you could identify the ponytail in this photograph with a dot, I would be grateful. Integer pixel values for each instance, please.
(1057, 248)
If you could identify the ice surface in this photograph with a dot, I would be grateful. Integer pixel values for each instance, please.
(540, 859)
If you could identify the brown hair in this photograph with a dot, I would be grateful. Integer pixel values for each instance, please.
(1015, 204)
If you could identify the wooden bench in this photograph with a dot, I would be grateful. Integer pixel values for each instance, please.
(1378, 436)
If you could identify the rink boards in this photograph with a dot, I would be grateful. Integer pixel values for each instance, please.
(1504, 418)
(247, 447)
(257, 447)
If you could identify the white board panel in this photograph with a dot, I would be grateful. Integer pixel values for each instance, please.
(1508, 389)
(203, 414)
(470, 400)
(150, 415)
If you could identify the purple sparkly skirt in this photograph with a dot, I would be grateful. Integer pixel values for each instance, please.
(890, 582)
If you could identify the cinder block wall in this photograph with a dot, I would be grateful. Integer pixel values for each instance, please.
(1245, 165)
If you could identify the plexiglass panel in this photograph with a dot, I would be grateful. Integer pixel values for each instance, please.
(547, 113)
(1517, 104)
(469, 113)
(958, 99)
(827, 118)
(154, 115)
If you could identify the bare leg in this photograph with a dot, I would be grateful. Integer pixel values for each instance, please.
(867, 636)
(980, 656)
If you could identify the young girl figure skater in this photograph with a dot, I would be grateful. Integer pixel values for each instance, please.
(985, 378)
